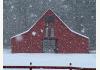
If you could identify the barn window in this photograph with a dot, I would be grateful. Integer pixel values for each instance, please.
(46, 34)
(52, 32)
(49, 42)
(49, 45)
(49, 19)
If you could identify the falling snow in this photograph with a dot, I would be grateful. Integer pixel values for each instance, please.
(92, 17)
(19, 38)
(33, 33)
(14, 17)
(83, 30)
(83, 43)
(30, 6)
(42, 30)
(49, 0)
(83, 1)
(82, 16)
(5, 40)
(27, 12)
(12, 6)
(74, 17)
(65, 6)
(41, 2)
(33, 15)
(81, 24)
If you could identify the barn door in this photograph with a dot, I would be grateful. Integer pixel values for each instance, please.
(49, 46)
(49, 41)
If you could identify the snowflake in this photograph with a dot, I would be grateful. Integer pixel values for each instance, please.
(92, 17)
(70, 42)
(12, 7)
(41, 2)
(14, 32)
(33, 15)
(33, 33)
(74, 17)
(83, 30)
(83, 43)
(5, 41)
(82, 16)
(41, 30)
(65, 6)
(49, 0)
(83, 1)
(14, 18)
(19, 37)
(81, 24)
(30, 5)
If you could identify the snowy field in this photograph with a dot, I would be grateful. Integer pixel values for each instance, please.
(46, 59)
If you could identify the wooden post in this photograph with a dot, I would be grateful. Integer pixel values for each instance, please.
(30, 66)
(70, 64)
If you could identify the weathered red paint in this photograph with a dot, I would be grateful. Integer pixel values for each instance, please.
(67, 40)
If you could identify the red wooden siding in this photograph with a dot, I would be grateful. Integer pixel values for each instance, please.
(67, 40)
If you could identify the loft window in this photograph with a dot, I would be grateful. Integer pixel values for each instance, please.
(49, 19)
(47, 43)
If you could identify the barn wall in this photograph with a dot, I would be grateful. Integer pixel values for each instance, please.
(67, 41)
(30, 43)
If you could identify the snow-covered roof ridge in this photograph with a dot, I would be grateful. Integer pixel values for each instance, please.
(57, 17)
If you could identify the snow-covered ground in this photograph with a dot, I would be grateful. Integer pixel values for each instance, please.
(47, 59)
(78, 60)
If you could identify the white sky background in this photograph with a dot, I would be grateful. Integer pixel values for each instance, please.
(97, 34)
(1, 34)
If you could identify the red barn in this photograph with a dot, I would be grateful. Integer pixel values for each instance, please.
(49, 35)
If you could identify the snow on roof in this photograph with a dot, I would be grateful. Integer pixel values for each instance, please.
(19, 34)
(58, 18)
(46, 59)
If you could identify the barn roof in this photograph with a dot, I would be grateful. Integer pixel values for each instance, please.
(50, 12)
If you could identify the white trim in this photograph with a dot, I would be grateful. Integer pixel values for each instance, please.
(58, 18)
(19, 34)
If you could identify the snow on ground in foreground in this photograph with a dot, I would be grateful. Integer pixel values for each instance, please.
(37, 59)
(6, 51)
(47, 59)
